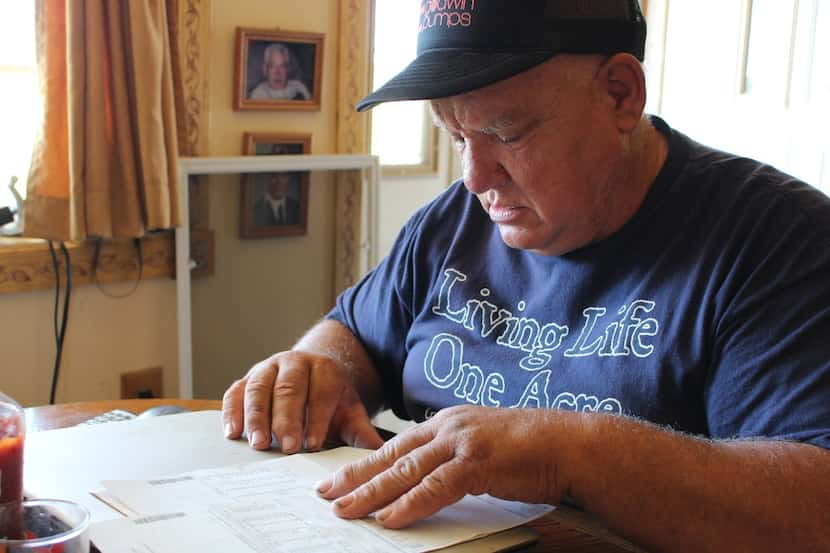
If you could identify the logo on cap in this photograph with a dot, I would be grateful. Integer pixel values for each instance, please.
(446, 13)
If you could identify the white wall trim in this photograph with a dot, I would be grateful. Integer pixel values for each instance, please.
(189, 166)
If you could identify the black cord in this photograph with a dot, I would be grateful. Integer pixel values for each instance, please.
(57, 289)
(95, 258)
(60, 332)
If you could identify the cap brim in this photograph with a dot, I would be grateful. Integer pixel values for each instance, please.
(443, 73)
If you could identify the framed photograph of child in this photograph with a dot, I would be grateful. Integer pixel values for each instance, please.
(274, 204)
(277, 70)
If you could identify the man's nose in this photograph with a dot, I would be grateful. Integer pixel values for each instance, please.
(482, 169)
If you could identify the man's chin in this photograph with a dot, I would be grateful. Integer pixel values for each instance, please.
(521, 241)
(515, 238)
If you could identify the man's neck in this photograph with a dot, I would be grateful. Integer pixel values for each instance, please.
(647, 152)
(654, 153)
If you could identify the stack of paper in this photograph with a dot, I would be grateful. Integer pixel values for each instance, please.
(271, 506)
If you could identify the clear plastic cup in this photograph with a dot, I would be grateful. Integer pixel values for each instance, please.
(50, 526)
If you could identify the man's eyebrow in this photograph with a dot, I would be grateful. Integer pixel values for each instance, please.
(437, 120)
(494, 128)
(499, 124)
(439, 123)
(503, 122)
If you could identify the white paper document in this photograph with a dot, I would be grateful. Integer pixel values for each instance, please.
(271, 506)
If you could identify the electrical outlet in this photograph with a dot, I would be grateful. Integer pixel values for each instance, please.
(144, 383)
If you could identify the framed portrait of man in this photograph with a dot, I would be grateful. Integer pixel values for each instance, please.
(278, 70)
(274, 204)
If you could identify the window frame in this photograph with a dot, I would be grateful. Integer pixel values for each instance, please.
(793, 106)
(429, 164)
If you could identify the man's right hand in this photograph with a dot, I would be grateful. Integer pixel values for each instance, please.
(299, 397)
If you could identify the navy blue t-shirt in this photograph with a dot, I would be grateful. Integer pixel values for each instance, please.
(709, 311)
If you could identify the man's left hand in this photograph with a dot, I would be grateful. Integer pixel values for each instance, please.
(461, 450)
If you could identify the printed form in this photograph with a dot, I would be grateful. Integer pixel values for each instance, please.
(271, 506)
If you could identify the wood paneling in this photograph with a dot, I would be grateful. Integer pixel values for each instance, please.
(352, 134)
(26, 265)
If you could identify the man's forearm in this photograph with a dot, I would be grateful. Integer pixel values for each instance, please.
(673, 492)
(329, 337)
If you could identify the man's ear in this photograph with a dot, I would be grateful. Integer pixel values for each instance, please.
(624, 82)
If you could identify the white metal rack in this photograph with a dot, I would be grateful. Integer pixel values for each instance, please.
(368, 165)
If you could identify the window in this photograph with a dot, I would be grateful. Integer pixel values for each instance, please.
(402, 133)
(748, 77)
(20, 108)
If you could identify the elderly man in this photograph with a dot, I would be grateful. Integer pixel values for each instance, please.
(601, 309)
(278, 73)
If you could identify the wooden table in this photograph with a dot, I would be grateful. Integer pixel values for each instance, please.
(562, 530)
(49, 417)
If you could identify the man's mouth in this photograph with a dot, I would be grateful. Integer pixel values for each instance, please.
(503, 213)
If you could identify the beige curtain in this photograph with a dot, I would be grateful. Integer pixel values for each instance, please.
(105, 163)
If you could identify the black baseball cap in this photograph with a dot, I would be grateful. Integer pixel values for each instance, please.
(468, 44)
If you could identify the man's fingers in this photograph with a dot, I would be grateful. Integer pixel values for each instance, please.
(233, 410)
(288, 405)
(354, 474)
(257, 403)
(324, 395)
(405, 473)
(442, 487)
(362, 433)
(356, 427)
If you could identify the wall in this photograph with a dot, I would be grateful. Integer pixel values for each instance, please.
(264, 292)
(105, 337)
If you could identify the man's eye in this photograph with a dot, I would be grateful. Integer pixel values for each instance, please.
(508, 139)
